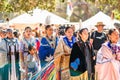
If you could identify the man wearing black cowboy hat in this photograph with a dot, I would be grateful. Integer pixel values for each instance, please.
(98, 37)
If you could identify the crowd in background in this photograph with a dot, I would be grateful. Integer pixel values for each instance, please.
(60, 53)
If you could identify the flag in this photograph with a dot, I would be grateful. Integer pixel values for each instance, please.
(69, 8)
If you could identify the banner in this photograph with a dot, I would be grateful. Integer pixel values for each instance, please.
(69, 8)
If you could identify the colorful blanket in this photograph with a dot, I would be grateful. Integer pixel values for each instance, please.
(47, 73)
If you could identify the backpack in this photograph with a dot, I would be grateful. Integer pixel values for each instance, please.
(94, 34)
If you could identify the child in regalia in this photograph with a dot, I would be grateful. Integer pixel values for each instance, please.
(32, 60)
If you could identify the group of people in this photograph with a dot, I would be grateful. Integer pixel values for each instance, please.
(87, 56)
(18, 57)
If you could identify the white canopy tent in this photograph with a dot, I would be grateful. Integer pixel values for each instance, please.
(43, 16)
(99, 17)
(39, 16)
(22, 19)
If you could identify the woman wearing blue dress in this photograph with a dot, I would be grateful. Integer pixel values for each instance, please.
(47, 46)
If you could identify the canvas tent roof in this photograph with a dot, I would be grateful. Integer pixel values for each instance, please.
(99, 17)
(43, 16)
(39, 16)
(22, 19)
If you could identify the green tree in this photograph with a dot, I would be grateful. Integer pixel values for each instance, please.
(108, 6)
(20, 6)
(26, 5)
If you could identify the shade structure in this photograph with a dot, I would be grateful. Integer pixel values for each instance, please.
(22, 19)
(99, 17)
(46, 17)
(38, 16)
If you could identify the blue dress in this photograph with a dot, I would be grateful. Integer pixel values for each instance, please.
(47, 48)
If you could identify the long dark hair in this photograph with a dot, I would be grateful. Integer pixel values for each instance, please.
(27, 28)
(80, 32)
(68, 28)
(110, 32)
(30, 47)
(47, 26)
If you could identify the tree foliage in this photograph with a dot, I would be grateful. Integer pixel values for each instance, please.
(26, 5)
(113, 5)
(91, 7)
(108, 6)
(83, 9)
(7, 7)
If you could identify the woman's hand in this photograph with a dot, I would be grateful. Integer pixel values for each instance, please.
(118, 56)
(48, 59)
(94, 57)
(22, 67)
